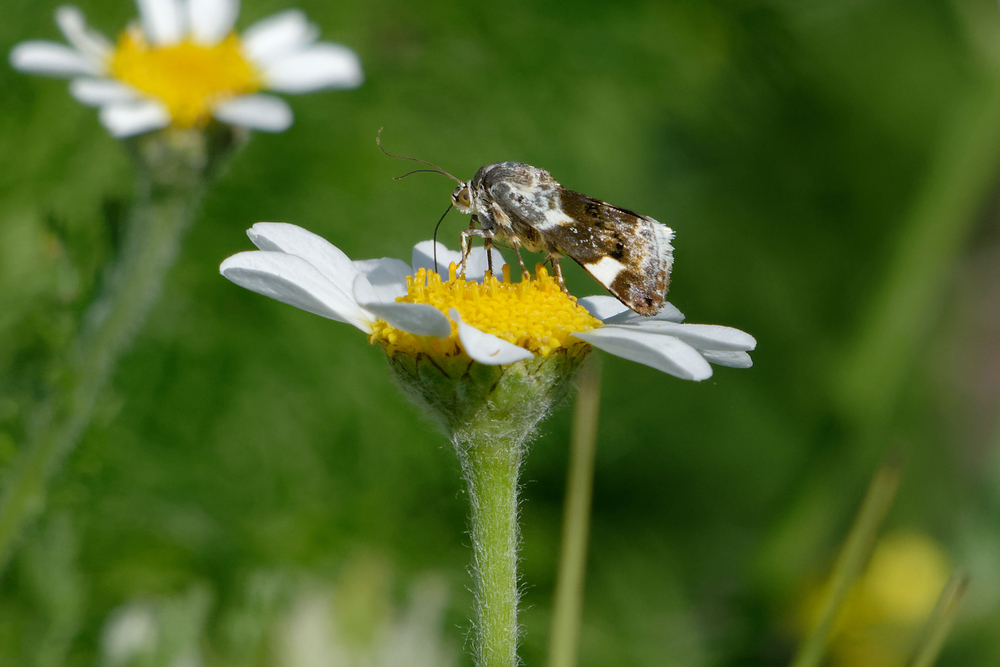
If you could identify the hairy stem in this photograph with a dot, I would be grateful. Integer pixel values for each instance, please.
(491, 469)
(169, 187)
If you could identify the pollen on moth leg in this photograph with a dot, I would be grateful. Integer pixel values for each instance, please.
(534, 313)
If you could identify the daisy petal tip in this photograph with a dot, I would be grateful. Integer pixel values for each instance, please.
(162, 21)
(257, 112)
(100, 92)
(50, 59)
(270, 233)
(321, 66)
(240, 260)
(277, 36)
(129, 119)
(68, 14)
(730, 359)
(211, 20)
(73, 25)
(667, 354)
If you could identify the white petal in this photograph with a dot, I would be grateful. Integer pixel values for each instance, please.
(212, 20)
(131, 118)
(73, 25)
(602, 307)
(278, 36)
(98, 92)
(258, 112)
(486, 348)
(162, 21)
(664, 353)
(701, 336)
(421, 319)
(294, 281)
(668, 313)
(730, 359)
(50, 58)
(387, 276)
(322, 65)
(478, 263)
(327, 258)
(423, 257)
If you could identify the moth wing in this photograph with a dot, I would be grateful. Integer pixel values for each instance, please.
(630, 254)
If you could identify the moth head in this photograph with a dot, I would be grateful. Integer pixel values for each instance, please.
(461, 198)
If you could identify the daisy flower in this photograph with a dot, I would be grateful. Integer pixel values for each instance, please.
(487, 357)
(409, 309)
(183, 65)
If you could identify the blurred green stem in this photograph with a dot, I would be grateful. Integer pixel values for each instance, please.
(851, 561)
(568, 607)
(932, 238)
(491, 467)
(171, 177)
(941, 620)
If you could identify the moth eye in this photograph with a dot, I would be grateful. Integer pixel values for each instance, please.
(460, 197)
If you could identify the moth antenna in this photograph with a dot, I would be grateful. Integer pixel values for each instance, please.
(435, 239)
(417, 171)
(378, 140)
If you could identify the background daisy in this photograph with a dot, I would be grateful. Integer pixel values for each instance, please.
(183, 65)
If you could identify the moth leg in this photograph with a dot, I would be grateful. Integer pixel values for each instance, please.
(557, 271)
(517, 251)
(466, 248)
(488, 245)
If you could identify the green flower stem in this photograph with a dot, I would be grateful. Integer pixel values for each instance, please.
(490, 414)
(940, 622)
(170, 182)
(851, 561)
(491, 469)
(935, 234)
(568, 608)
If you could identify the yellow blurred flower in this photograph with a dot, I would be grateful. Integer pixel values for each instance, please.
(878, 624)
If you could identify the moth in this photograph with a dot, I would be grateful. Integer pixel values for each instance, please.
(521, 206)
(525, 207)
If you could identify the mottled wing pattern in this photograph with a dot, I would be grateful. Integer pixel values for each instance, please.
(628, 253)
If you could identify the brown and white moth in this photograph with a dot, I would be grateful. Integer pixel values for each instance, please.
(522, 206)
(525, 207)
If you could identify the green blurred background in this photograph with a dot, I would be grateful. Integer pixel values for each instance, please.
(830, 169)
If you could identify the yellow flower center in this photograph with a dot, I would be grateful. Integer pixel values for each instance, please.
(535, 313)
(188, 78)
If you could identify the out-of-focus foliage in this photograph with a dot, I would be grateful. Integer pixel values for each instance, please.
(800, 149)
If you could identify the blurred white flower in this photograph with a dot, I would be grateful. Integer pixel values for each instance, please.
(404, 306)
(166, 631)
(316, 630)
(130, 631)
(183, 65)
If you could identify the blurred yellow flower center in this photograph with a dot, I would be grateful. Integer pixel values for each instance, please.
(887, 605)
(188, 78)
(534, 313)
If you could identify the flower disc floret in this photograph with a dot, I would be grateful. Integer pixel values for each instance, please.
(535, 313)
(188, 78)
